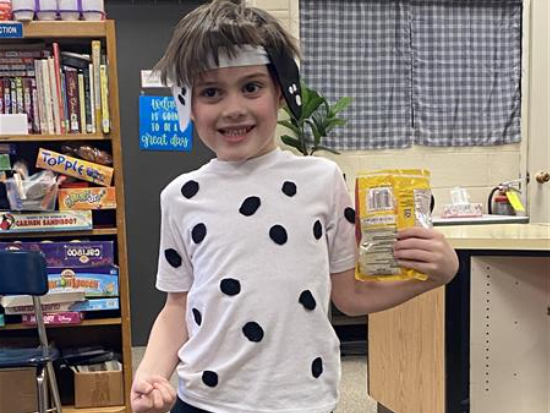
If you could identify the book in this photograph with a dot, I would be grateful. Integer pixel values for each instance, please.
(57, 77)
(64, 100)
(13, 89)
(75, 60)
(96, 62)
(54, 96)
(48, 102)
(7, 95)
(92, 96)
(105, 121)
(1, 96)
(27, 102)
(43, 127)
(73, 106)
(88, 102)
(82, 103)
(19, 93)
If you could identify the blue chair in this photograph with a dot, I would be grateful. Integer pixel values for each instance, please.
(25, 273)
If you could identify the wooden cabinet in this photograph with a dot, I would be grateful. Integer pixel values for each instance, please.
(479, 344)
(112, 331)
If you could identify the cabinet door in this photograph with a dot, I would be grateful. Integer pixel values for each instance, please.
(509, 334)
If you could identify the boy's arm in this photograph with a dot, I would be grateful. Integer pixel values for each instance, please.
(425, 250)
(168, 335)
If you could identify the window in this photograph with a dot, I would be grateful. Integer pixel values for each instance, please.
(427, 72)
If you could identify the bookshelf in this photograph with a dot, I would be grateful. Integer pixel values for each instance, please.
(112, 330)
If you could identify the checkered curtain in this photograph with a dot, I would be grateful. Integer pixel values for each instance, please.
(432, 72)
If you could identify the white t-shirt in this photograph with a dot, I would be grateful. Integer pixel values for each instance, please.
(254, 244)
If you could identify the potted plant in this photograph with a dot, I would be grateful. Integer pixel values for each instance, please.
(319, 116)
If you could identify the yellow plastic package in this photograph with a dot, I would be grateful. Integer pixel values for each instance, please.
(386, 202)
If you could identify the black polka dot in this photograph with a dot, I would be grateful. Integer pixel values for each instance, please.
(317, 367)
(197, 316)
(278, 234)
(289, 188)
(307, 300)
(210, 378)
(190, 189)
(317, 230)
(198, 233)
(230, 286)
(349, 213)
(253, 332)
(173, 258)
(250, 206)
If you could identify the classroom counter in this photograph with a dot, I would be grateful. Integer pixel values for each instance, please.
(479, 344)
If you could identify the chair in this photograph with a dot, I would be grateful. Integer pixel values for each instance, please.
(24, 273)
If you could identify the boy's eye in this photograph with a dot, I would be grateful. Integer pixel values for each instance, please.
(209, 92)
(252, 87)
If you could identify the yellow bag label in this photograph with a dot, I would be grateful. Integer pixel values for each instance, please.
(388, 201)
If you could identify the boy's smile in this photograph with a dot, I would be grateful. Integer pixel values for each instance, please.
(235, 111)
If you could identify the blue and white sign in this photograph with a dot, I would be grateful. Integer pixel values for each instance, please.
(159, 127)
(11, 30)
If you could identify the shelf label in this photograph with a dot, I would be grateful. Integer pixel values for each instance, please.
(159, 128)
(11, 30)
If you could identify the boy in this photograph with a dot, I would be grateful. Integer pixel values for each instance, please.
(256, 243)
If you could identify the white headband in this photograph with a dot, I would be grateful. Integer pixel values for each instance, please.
(246, 55)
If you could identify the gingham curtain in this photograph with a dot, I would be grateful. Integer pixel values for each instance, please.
(431, 72)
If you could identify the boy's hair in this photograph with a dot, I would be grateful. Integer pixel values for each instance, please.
(220, 26)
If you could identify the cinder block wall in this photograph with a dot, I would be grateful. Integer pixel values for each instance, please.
(477, 169)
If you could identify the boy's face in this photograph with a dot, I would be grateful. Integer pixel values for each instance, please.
(235, 111)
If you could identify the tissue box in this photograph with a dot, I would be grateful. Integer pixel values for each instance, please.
(13, 124)
(98, 389)
(472, 210)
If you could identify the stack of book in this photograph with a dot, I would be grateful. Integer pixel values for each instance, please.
(81, 276)
(59, 91)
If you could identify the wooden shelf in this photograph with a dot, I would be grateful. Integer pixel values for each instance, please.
(43, 234)
(54, 138)
(115, 409)
(85, 323)
(81, 33)
(63, 29)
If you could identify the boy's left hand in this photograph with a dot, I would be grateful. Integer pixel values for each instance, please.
(427, 251)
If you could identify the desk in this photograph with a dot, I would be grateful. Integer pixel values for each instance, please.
(420, 353)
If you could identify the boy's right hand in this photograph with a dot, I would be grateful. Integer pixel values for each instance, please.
(152, 394)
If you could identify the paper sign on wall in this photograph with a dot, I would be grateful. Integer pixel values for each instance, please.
(159, 127)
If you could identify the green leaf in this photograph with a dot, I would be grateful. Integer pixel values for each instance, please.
(316, 134)
(312, 105)
(324, 148)
(319, 123)
(290, 125)
(340, 105)
(305, 93)
(333, 123)
(293, 142)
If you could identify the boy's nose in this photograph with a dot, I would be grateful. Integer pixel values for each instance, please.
(234, 108)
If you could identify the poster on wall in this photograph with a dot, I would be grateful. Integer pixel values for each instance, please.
(159, 127)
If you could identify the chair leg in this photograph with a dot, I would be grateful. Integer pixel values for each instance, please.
(41, 389)
(53, 388)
